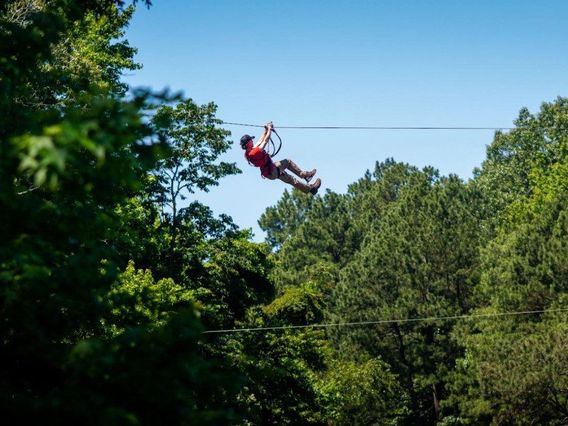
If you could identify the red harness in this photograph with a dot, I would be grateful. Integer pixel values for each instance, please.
(260, 158)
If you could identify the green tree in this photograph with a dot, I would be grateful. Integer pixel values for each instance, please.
(146, 376)
(537, 141)
(282, 365)
(136, 299)
(361, 393)
(513, 369)
(512, 372)
(319, 238)
(94, 54)
(319, 246)
(80, 54)
(234, 279)
(420, 263)
(281, 221)
(196, 142)
(79, 346)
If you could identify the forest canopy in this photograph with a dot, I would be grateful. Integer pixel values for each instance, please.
(111, 271)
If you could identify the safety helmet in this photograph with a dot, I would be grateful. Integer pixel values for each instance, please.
(245, 139)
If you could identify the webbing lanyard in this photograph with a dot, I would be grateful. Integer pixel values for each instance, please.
(273, 150)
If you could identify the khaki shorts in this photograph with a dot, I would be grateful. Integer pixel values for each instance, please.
(280, 167)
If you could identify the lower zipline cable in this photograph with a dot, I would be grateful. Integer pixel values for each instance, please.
(388, 321)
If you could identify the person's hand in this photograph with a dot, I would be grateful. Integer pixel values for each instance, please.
(269, 125)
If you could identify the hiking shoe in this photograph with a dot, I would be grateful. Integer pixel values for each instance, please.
(315, 186)
(309, 175)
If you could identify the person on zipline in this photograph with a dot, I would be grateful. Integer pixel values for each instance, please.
(257, 156)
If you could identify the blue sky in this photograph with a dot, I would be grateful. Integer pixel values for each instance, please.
(354, 63)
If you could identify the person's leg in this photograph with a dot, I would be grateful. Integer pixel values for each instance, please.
(293, 167)
(278, 173)
(291, 180)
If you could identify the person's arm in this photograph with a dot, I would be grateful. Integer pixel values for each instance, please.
(265, 136)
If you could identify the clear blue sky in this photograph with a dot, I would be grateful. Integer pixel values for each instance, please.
(354, 63)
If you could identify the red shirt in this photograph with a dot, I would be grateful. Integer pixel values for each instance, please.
(259, 158)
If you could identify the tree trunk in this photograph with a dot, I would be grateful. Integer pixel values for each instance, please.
(435, 396)
(409, 378)
(173, 232)
(436, 401)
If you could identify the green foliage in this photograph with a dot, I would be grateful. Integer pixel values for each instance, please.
(146, 377)
(67, 49)
(513, 372)
(514, 368)
(86, 146)
(282, 366)
(79, 346)
(196, 142)
(416, 266)
(91, 187)
(322, 242)
(234, 280)
(94, 54)
(140, 235)
(362, 393)
(136, 299)
(424, 246)
(297, 306)
(525, 264)
(402, 243)
(281, 221)
(538, 141)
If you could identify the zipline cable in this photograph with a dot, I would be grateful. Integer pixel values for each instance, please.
(371, 127)
(387, 321)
